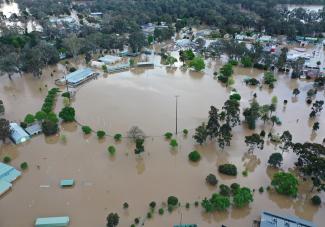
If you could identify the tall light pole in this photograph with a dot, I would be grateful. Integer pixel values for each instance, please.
(176, 96)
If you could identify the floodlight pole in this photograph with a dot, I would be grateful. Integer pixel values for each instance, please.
(176, 96)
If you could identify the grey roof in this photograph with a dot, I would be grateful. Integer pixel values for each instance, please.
(79, 75)
(34, 129)
(109, 59)
(274, 220)
(18, 134)
(7, 175)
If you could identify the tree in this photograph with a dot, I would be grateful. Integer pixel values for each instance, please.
(194, 156)
(2, 108)
(139, 147)
(242, 197)
(296, 92)
(5, 130)
(201, 134)
(228, 169)
(269, 79)
(254, 141)
(137, 41)
(251, 114)
(86, 129)
(316, 200)
(100, 134)
(136, 133)
(224, 136)
(282, 59)
(112, 220)
(247, 62)
(211, 179)
(217, 202)
(49, 128)
(87, 57)
(33, 61)
(286, 140)
(170, 60)
(275, 159)
(197, 63)
(9, 64)
(40, 115)
(213, 125)
(285, 183)
(67, 114)
(311, 162)
(173, 143)
(316, 108)
(297, 67)
(73, 44)
(315, 126)
(172, 201)
(232, 111)
(29, 119)
(186, 55)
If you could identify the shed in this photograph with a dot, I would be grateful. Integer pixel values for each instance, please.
(18, 134)
(109, 59)
(7, 175)
(274, 220)
(34, 129)
(77, 77)
(67, 183)
(52, 222)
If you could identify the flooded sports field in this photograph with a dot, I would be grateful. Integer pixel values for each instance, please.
(145, 97)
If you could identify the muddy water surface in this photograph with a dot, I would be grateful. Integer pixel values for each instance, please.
(145, 97)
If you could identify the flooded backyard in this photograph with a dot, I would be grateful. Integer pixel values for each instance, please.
(146, 98)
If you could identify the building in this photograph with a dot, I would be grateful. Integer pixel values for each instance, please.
(34, 129)
(109, 59)
(18, 134)
(52, 221)
(273, 220)
(77, 77)
(7, 175)
(184, 43)
(96, 14)
(186, 225)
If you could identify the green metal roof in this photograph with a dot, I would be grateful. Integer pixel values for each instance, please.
(52, 222)
(67, 182)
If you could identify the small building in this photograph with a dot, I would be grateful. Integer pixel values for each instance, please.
(265, 38)
(34, 129)
(273, 220)
(18, 134)
(186, 225)
(66, 183)
(52, 222)
(96, 14)
(77, 77)
(8, 174)
(145, 64)
(109, 59)
(184, 43)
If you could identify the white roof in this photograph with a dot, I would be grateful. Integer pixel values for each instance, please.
(108, 59)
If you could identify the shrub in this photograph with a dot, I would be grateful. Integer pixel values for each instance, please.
(49, 128)
(228, 169)
(173, 143)
(187, 205)
(185, 132)
(29, 119)
(285, 183)
(168, 135)
(152, 204)
(225, 190)
(245, 173)
(233, 62)
(67, 114)
(234, 187)
(52, 117)
(24, 165)
(86, 129)
(261, 189)
(211, 179)
(66, 94)
(316, 200)
(111, 150)
(161, 211)
(235, 96)
(216, 203)
(6, 159)
(149, 215)
(172, 201)
(40, 115)
(194, 156)
(117, 137)
(101, 134)
(125, 205)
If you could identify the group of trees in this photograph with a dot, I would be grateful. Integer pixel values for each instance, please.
(189, 58)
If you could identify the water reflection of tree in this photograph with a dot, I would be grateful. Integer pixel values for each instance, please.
(239, 213)
(140, 166)
(215, 217)
(251, 161)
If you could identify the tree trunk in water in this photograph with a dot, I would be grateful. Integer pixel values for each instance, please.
(9, 75)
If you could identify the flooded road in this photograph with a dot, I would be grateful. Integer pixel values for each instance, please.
(145, 98)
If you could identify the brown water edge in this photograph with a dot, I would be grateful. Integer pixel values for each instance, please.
(146, 99)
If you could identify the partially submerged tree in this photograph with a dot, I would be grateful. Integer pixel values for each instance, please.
(112, 220)
(5, 130)
(136, 133)
(275, 159)
(254, 141)
(201, 134)
(251, 114)
(285, 183)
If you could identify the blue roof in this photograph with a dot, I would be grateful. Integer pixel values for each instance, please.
(67, 182)
(7, 175)
(274, 220)
(79, 75)
(18, 134)
(52, 222)
(4, 186)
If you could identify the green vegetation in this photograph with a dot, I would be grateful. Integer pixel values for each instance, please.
(24, 166)
(242, 197)
(139, 147)
(217, 202)
(275, 159)
(101, 134)
(125, 205)
(168, 135)
(40, 115)
(172, 201)
(173, 143)
(5, 129)
(245, 173)
(194, 156)
(269, 79)
(49, 127)
(112, 220)
(211, 179)
(228, 169)
(111, 150)
(197, 63)
(316, 200)
(246, 62)
(118, 137)
(225, 190)
(29, 119)
(86, 129)
(261, 189)
(161, 211)
(185, 132)
(285, 183)
(6, 159)
(67, 114)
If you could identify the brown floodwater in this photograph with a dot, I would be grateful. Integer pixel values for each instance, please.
(146, 98)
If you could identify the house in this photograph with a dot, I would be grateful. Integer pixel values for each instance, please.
(66, 183)
(183, 43)
(7, 175)
(265, 39)
(18, 134)
(273, 220)
(109, 59)
(34, 129)
(52, 222)
(77, 77)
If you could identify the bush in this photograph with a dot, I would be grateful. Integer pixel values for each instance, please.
(194, 156)
(40, 115)
(187, 205)
(211, 179)
(117, 137)
(228, 169)
(172, 201)
(225, 190)
(247, 62)
(72, 69)
(29, 119)
(111, 150)
(173, 143)
(24, 165)
(125, 205)
(52, 117)
(67, 114)
(196, 203)
(49, 128)
(152, 204)
(168, 135)
(161, 211)
(149, 215)
(235, 96)
(66, 94)
(86, 129)
(261, 189)
(316, 200)
(234, 187)
(245, 173)
(6, 159)
(185, 132)
(233, 62)
(101, 134)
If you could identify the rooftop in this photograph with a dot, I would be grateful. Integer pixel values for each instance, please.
(52, 221)
(274, 220)
(18, 134)
(79, 75)
(7, 175)
(109, 59)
